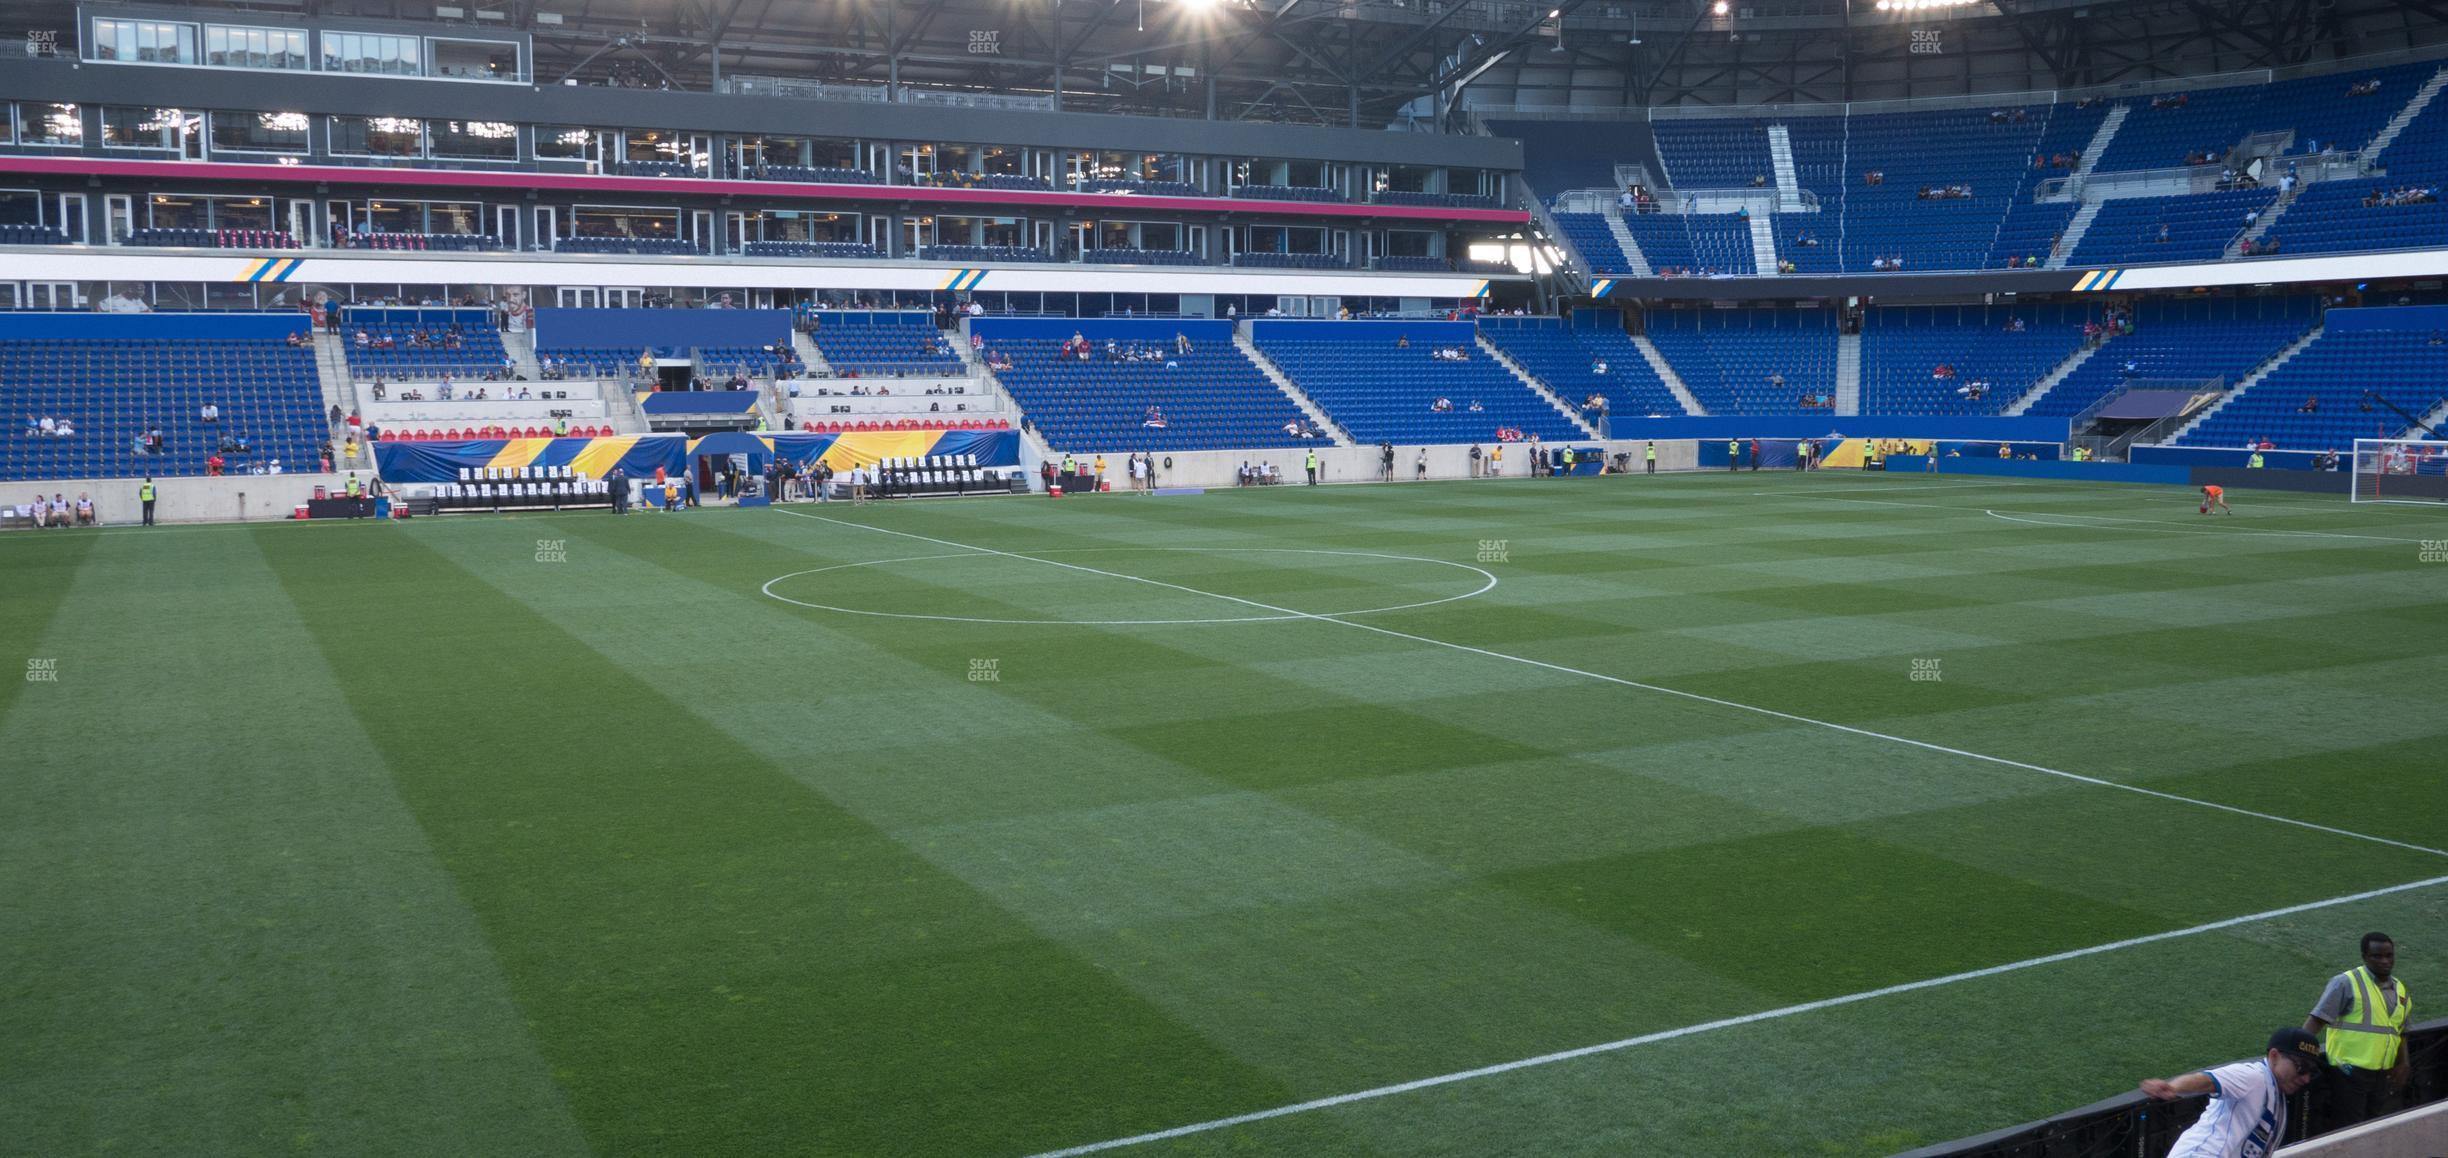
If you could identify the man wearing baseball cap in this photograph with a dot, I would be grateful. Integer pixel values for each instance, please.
(2247, 1114)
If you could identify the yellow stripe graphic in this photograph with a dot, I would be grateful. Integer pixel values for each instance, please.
(600, 453)
(519, 452)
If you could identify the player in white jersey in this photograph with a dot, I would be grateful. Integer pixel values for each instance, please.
(2247, 1114)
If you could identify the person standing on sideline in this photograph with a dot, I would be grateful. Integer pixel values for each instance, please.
(2248, 1110)
(146, 494)
(1733, 455)
(1474, 460)
(616, 484)
(1649, 456)
(1385, 460)
(1755, 454)
(1312, 464)
(1420, 469)
(1495, 462)
(2361, 1017)
(1802, 455)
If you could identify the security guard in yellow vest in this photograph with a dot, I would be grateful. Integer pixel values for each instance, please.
(2362, 1018)
(1733, 455)
(145, 494)
(2255, 461)
(1649, 455)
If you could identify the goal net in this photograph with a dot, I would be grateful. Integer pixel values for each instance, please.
(2400, 470)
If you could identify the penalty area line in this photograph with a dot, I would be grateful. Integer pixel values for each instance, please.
(1730, 1022)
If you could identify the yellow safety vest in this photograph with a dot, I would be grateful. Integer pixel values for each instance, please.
(2255, 461)
(2368, 1038)
(145, 492)
(352, 488)
(1652, 452)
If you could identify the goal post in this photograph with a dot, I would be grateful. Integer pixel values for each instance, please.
(2400, 470)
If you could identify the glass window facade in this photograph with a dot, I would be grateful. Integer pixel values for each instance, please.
(144, 42)
(377, 137)
(373, 54)
(474, 140)
(235, 46)
(259, 133)
(128, 127)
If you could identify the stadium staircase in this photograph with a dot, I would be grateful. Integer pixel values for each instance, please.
(1848, 373)
(1623, 237)
(621, 406)
(2269, 217)
(1317, 414)
(1788, 182)
(1666, 373)
(814, 359)
(2405, 116)
(2432, 420)
(1536, 387)
(339, 389)
(2049, 380)
(2098, 147)
(2075, 229)
(2250, 380)
(520, 345)
(1763, 243)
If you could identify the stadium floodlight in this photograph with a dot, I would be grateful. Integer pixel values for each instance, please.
(2400, 470)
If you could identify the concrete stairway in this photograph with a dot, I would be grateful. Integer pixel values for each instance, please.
(2250, 380)
(1788, 177)
(1848, 374)
(1763, 244)
(1317, 414)
(2074, 231)
(1537, 387)
(520, 345)
(2099, 141)
(811, 357)
(2049, 380)
(2422, 100)
(2269, 217)
(1623, 239)
(339, 389)
(1666, 373)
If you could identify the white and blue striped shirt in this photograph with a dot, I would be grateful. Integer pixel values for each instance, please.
(2245, 1118)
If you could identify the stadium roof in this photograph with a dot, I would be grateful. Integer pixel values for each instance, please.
(1369, 62)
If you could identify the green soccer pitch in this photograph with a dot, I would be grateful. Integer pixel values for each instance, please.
(1694, 815)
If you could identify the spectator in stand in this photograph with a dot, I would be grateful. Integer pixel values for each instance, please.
(2248, 1100)
(209, 413)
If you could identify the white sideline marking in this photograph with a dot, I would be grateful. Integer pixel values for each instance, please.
(1727, 1023)
(2187, 530)
(1662, 690)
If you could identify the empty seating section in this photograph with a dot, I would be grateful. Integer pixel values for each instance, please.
(1008, 182)
(2032, 230)
(814, 174)
(2179, 342)
(1712, 153)
(2003, 156)
(832, 249)
(1209, 398)
(1438, 200)
(1702, 244)
(2407, 367)
(461, 343)
(1591, 238)
(1288, 193)
(2332, 216)
(1566, 361)
(1141, 257)
(717, 362)
(650, 246)
(885, 343)
(1382, 391)
(1414, 263)
(446, 242)
(2161, 131)
(1142, 188)
(1904, 346)
(111, 382)
(657, 169)
(1983, 152)
(26, 233)
(1292, 260)
(2153, 229)
(1730, 358)
(979, 253)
